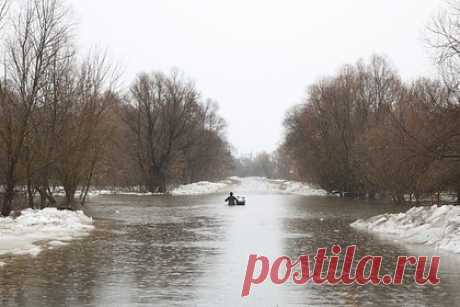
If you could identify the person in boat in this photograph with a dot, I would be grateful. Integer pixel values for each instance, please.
(232, 200)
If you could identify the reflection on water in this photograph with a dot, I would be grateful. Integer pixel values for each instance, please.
(192, 251)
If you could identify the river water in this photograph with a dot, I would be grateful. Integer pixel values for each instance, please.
(193, 251)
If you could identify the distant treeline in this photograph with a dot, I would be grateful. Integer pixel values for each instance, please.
(365, 132)
(263, 164)
(64, 123)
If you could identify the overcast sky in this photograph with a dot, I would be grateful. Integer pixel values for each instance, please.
(256, 57)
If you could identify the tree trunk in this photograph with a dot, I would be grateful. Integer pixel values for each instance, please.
(398, 198)
(42, 193)
(50, 196)
(371, 195)
(8, 200)
(157, 181)
(85, 191)
(417, 198)
(29, 184)
(160, 182)
(30, 194)
(69, 197)
(9, 191)
(150, 184)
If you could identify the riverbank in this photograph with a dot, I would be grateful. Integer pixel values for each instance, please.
(247, 184)
(438, 227)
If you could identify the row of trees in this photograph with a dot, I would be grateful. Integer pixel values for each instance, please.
(64, 123)
(365, 131)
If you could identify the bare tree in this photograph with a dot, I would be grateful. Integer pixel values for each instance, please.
(444, 38)
(163, 114)
(177, 137)
(208, 157)
(38, 32)
(83, 130)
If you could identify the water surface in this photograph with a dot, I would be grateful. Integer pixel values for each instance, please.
(193, 251)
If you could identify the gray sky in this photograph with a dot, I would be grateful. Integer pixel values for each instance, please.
(256, 57)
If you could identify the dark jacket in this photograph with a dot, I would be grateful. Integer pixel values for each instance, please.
(232, 200)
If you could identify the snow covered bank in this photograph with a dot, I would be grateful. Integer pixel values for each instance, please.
(21, 236)
(108, 192)
(264, 185)
(237, 184)
(94, 192)
(434, 226)
(199, 188)
(300, 188)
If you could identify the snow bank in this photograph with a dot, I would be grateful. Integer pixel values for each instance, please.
(96, 192)
(237, 184)
(434, 226)
(300, 188)
(264, 185)
(107, 192)
(199, 188)
(21, 236)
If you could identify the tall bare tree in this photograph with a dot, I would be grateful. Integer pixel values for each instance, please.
(39, 31)
(84, 129)
(175, 133)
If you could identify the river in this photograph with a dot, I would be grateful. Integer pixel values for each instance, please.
(193, 251)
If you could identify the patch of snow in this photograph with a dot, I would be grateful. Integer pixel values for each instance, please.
(249, 184)
(22, 235)
(139, 194)
(199, 188)
(107, 192)
(93, 193)
(237, 184)
(2, 264)
(434, 226)
(256, 184)
(300, 188)
(279, 186)
(96, 192)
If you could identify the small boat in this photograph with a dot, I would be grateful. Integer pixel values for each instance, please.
(241, 201)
